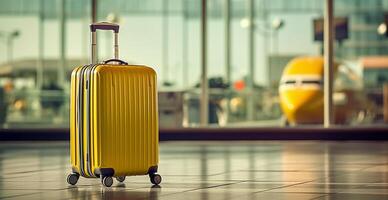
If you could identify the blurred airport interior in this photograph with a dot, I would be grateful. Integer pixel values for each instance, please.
(248, 45)
(308, 76)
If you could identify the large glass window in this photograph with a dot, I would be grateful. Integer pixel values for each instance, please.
(271, 75)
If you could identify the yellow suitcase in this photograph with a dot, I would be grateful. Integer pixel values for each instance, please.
(113, 119)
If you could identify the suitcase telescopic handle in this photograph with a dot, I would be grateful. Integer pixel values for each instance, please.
(104, 26)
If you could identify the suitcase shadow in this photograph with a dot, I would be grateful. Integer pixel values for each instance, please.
(116, 192)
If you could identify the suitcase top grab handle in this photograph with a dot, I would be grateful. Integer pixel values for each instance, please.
(115, 60)
(104, 26)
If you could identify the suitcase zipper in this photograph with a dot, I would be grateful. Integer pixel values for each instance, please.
(88, 123)
(88, 118)
(79, 116)
(81, 123)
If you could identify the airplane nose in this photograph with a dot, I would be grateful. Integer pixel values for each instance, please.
(296, 100)
(302, 105)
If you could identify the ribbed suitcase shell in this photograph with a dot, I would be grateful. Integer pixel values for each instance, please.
(118, 120)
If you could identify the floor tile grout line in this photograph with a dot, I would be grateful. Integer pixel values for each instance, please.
(285, 186)
(375, 165)
(196, 189)
(135, 190)
(264, 191)
(320, 196)
(31, 171)
(19, 195)
(62, 189)
(297, 192)
(312, 181)
(344, 174)
(214, 186)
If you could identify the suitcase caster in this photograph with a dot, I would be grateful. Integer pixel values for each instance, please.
(107, 181)
(72, 179)
(120, 179)
(155, 179)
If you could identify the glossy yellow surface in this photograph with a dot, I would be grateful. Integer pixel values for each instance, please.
(302, 103)
(304, 66)
(73, 129)
(302, 106)
(124, 119)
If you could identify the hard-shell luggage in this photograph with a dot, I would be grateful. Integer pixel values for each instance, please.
(113, 118)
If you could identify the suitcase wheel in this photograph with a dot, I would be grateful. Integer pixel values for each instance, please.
(155, 179)
(72, 179)
(107, 181)
(120, 179)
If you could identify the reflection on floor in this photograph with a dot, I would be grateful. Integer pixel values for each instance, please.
(210, 170)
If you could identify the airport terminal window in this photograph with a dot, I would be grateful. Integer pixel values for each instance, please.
(41, 41)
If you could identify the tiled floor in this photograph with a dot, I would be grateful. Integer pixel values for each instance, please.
(210, 170)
